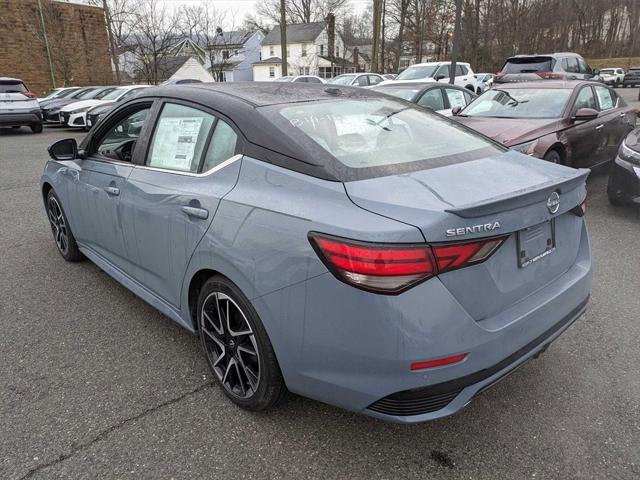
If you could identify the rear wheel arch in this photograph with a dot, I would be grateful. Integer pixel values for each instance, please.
(195, 285)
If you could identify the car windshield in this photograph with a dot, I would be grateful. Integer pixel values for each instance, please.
(384, 133)
(112, 95)
(66, 93)
(87, 93)
(406, 93)
(520, 103)
(12, 87)
(342, 79)
(414, 73)
(528, 65)
(101, 95)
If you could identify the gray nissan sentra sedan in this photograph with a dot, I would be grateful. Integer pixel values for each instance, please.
(333, 242)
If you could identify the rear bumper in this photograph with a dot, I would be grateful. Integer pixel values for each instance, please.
(19, 119)
(356, 348)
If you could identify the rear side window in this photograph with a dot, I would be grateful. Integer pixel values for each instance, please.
(222, 146)
(179, 138)
(380, 133)
(455, 97)
(13, 87)
(461, 70)
(528, 65)
(606, 98)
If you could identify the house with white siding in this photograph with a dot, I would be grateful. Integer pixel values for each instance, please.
(312, 49)
(232, 55)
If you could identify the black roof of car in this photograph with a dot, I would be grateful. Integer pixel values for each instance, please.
(241, 103)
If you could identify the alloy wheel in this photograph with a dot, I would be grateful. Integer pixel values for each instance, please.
(230, 345)
(58, 225)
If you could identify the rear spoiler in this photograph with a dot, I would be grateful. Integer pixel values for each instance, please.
(522, 198)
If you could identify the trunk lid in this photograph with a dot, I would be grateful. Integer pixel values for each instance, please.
(499, 195)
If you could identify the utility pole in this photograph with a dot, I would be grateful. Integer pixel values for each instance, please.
(456, 43)
(46, 45)
(375, 50)
(283, 36)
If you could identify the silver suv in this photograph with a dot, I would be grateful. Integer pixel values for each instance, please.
(18, 106)
(553, 66)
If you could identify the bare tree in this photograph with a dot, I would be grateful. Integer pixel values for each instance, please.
(152, 37)
(301, 11)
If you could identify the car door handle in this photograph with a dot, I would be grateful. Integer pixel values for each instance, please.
(196, 212)
(115, 191)
(599, 127)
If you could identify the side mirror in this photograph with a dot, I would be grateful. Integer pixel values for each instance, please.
(437, 78)
(596, 71)
(584, 114)
(456, 110)
(66, 149)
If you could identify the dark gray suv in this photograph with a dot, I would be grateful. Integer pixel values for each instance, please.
(557, 66)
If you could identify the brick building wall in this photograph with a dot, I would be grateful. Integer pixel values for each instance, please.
(78, 41)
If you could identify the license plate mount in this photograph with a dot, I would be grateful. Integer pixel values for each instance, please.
(536, 242)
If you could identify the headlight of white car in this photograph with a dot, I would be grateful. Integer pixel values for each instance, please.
(527, 148)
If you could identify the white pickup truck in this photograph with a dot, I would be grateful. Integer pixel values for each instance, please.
(612, 76)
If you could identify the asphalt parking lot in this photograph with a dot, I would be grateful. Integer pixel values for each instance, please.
(97, 384)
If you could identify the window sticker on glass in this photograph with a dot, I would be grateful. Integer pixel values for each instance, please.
(175, 143)
(456, 98)
(604, 97)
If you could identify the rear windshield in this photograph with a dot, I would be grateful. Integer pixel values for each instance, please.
(520, 103)
(406, 93)
(528, 65)
(12, 87)
(384, 134)
(415, 73)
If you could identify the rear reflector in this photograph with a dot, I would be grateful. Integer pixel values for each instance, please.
(438, 362)
(392, 268)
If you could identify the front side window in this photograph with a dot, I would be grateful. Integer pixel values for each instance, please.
(119, 141)
(583, 67)
(520, 103)
(373, 133)
(179, 138)
(606, 98)
(585, 99)
(342, 80)
(362, 81)
(432, 99)
(444, 70)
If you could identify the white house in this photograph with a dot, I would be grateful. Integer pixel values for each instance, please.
(181, 68)
(312, 49)
(232, 54)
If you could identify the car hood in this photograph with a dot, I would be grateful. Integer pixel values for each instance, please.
(81, 104)
(511, 131)
(102, 108)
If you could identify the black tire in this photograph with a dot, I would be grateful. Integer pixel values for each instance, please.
(221, 349)
(478, 91)
(60, 228)
(615, 196)
(36, 128)
(553, 156)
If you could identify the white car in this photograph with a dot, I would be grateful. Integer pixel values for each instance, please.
(75, 114)
(357, 79)
(300, 79)
(485, 80)
(612, 76)
(439, 72)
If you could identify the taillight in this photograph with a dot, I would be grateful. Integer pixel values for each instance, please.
(29, 94)
(580, 210)
(550, 75)
(393, 268)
